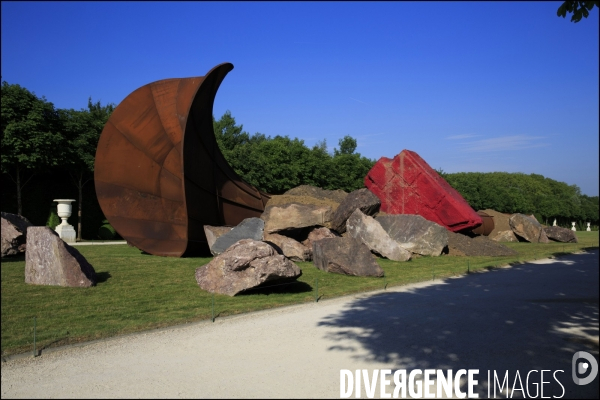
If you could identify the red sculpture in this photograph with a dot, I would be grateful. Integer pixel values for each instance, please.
(159, 173)
(408, 185)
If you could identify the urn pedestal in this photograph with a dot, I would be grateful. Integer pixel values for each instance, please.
(64, 230)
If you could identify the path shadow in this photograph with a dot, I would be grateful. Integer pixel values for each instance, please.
(532, 316)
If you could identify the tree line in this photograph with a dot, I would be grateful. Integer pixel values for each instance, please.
(277, 164)
(40, 140)
(50, 151)
(529, 194)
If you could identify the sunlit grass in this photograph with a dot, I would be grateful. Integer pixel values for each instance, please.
(137, 292)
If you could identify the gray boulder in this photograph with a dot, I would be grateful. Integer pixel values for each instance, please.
(51, 261)
(363, 199)
(214, 232)
(463, 245)
(250, 228)
(245, 265)
(528, 228)
(289, 247)
(14, 234)
(504, 236)
(415, 233)
(345, 255)
(293, 216)
(559, 234)
(369, 231)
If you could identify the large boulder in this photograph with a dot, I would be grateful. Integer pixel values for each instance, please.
(293, 216)
(363, 199)
(250, 228)
(336, 196)
(415, 233)
(528, 229)
(504, 236)
(214, 232)
(345, 255)
(408, 185)
(289, 247)
(369, 231)
(309, 195)
(14, 234)
(51, 261)
(318, 233)
(463, 245)
(245, 265)
(559, 234)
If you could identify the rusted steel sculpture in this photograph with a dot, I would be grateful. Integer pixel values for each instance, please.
(159, 173)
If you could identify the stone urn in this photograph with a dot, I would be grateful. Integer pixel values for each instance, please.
(64, 230)
(573, 228)
(588, 227)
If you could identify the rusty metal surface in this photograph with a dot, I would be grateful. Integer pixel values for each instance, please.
(487, 226)
(159, 173)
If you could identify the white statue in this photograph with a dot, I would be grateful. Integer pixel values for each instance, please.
(573, 228)
(64, 230)
(588, 228)
(554, 224)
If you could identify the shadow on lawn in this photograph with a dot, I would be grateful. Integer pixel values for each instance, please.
(102, 277)
(16, 258)
(528, 317)
(289, 287)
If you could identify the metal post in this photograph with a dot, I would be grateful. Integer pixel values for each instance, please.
(384, 282)
(317, 290)
(213, 307)
(468, 267)
(34, 349)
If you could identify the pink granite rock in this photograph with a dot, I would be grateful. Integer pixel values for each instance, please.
(51, 261)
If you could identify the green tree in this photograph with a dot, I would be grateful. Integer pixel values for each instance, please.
(349, 168)
(347, 146)
(31, 140)
(579, 9)
(229, 135)
(521, 193)
(278, 164)
(83, 128)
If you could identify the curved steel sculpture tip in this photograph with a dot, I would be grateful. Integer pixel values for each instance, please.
(159, 173)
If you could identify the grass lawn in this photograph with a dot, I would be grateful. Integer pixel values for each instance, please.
(138, 292)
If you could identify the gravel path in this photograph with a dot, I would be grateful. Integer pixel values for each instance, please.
(535, 315)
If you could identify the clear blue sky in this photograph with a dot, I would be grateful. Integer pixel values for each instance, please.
(489, 86)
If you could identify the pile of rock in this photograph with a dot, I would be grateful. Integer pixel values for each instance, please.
(521, 227)
(342, 233)
(310, 228)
